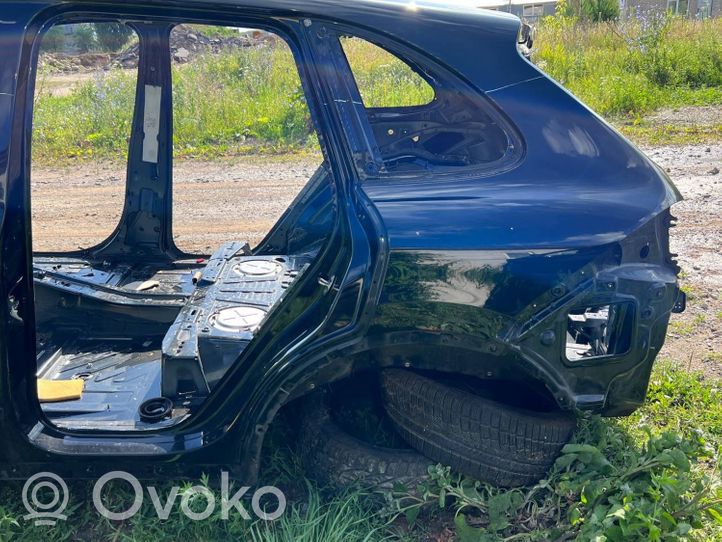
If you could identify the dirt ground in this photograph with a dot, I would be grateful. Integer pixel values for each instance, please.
(216, 201)
(686, 116)
(212, 201)
(694, 338)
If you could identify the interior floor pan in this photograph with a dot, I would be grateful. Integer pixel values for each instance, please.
(119, 375)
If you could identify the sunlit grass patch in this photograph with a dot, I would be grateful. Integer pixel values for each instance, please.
(637, 66)
(250, 100)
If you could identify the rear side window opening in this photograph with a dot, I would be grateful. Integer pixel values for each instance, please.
(257, 121)
(428, 124)
(383, 79)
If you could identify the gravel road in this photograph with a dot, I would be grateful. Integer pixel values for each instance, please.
(695, 336)
(213, 201)
(217, 201)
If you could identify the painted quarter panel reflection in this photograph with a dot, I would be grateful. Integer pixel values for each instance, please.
(494, 289)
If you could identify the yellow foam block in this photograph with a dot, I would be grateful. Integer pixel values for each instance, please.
(50, 391)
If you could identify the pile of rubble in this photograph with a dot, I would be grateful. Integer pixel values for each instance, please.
(66, 63)
(186, 43)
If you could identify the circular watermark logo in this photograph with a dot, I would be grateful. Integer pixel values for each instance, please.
(45, 497)
(137, 490)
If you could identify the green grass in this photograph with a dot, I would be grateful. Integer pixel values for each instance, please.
(687, 329)
(244, 101)
(382, 79)
(250, 100)
(94, 119)
(632, 68)
(652, 476)
(644, 133)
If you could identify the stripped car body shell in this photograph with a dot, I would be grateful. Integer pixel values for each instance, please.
(474, 272)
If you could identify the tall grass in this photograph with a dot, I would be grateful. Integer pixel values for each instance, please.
(637, 66)
(249, 100)
(94, 118)
(221, 102)
(383, 80)
(240, 101)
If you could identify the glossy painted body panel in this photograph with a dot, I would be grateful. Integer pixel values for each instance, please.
(504, 314)
(462, 273)
(580, 184)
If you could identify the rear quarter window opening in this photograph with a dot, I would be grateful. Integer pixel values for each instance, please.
(424, 121)
(383, 79)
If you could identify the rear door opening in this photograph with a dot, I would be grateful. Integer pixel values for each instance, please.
(147, 318)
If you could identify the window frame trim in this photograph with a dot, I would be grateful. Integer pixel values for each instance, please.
(437, 75)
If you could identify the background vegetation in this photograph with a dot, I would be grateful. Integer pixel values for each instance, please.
(634, 67)
(98, 37)
(250, 100)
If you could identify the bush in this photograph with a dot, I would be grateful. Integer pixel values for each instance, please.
(112, 37)
(635, 66)
(600, 10)
(54, 40)
(85, 38)
(589, 10)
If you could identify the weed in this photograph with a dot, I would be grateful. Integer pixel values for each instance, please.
(687, 328)
(690, 291)
(250, 100)
(712, 357)
(671, 134)
(653, 476)
(636, 66)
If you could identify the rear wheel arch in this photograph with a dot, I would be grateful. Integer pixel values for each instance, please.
(442, 353)
(429, 352)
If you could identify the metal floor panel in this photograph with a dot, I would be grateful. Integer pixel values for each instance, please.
(171, 279)
(119, 376)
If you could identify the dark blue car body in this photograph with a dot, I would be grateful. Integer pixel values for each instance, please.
(473, 270)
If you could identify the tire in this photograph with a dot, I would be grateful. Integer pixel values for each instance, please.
(480, 438)
(338, 460)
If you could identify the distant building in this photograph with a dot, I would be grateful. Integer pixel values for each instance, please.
(692, 9)
(528, 10)
(532, 10)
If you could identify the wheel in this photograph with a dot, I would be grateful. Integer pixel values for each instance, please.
(337, 459)
(484, 439)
